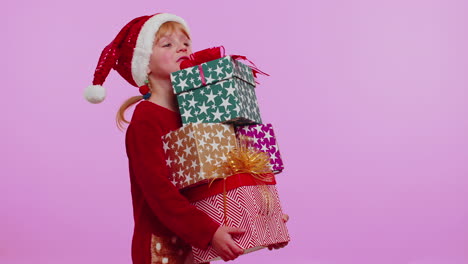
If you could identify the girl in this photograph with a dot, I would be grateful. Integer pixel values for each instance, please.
(144, 53)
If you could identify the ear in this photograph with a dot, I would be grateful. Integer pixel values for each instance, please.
(148, 75)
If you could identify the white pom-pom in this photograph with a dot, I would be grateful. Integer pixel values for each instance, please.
(95, 94)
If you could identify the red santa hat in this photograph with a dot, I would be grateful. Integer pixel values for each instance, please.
(129, 53)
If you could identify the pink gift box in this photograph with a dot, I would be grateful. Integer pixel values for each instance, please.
(264, 140)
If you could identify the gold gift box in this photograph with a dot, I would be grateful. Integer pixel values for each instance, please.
(194, 151)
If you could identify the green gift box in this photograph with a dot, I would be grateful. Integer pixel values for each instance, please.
(218, 91)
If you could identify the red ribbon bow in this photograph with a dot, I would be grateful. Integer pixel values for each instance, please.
(203, 56)
(214, 53)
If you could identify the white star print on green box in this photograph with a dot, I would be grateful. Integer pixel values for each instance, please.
(227, 97)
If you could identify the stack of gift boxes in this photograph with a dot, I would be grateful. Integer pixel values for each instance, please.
(219, 109)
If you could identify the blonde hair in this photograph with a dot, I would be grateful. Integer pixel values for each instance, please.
(164, 29)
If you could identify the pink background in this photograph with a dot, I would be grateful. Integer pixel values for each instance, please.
(368, 99)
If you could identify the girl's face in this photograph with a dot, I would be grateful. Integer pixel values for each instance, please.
(168, 51)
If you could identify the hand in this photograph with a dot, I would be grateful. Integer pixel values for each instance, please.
(223, 243)
(280, 245)
(277, 246)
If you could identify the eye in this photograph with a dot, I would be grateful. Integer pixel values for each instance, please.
(167, 45)
(187, 44)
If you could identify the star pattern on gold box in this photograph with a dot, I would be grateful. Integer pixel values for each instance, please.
(194, 151)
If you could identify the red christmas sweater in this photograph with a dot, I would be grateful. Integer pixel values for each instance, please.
(158, 207)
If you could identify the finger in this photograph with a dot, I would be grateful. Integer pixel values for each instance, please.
(236, 249)
(235, 231)
(277, 246)
(282, 245)
(232, 254)
(285, 218)
(225, 258)
(227, 254)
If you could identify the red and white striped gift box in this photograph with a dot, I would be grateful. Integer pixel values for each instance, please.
(247, 208)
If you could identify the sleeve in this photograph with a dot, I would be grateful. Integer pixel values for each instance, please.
(147, 160)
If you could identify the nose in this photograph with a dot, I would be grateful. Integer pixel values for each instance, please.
(182, 48)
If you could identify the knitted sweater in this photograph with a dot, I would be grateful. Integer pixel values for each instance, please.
(158, 207)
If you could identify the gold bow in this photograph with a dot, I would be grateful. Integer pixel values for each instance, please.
(244, 158)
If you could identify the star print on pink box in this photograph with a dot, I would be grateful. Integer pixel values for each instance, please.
(263, 138)
(194, 151)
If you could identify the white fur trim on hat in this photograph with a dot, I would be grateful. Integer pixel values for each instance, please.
(95, 94)
(144, 44)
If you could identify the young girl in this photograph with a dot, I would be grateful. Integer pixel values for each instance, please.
(144, 53)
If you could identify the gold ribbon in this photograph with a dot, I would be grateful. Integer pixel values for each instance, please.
(244, 158)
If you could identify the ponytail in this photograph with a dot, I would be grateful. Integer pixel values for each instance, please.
(120, 118)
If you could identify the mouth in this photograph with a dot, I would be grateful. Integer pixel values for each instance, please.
(182, 58)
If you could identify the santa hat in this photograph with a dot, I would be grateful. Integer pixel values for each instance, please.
(129, 54)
